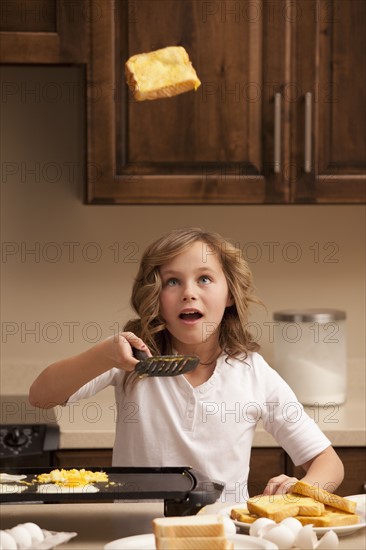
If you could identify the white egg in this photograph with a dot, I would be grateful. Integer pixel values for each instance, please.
(7, 542)
(258, 524)
(21, 537)
(292, 523)
(263, 530)
(306, 538)
(229, 526)
(329, 541)
(34, 530)
(280, 535)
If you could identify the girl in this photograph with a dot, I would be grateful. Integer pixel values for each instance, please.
(192, 294)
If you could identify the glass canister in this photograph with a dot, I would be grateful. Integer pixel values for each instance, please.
(310, 353)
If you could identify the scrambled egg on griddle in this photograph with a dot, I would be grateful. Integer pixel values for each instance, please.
(72, 478)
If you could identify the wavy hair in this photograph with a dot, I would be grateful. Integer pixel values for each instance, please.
(234, 337)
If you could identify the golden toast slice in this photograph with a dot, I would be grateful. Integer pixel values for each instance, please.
(329, 499)
(279, 507)
(330, 518)
(243, 515)
(162, 73)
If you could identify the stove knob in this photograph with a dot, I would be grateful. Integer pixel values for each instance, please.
(15, 438)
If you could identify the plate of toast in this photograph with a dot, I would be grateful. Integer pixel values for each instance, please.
(309, 504)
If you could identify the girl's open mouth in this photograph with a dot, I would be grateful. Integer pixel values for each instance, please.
(190, 317)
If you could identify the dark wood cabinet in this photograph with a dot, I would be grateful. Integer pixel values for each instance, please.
(354, 461)
(266, 462)
(45, 31)
(278, 119)
(328, 114)
(269, 462)
(210, 146)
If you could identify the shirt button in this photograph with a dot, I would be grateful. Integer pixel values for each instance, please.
(192, 400)
(190, 415)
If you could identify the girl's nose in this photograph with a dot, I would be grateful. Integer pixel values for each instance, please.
(188, 293)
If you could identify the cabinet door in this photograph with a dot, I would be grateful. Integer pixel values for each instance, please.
(215, 145)
(328, 101)
(354, 461)
(264, 464)
(44, 31)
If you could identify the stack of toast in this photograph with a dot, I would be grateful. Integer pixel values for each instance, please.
(202, 532)
(307, 503)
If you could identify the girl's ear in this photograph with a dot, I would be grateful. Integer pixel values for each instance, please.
(229, 301)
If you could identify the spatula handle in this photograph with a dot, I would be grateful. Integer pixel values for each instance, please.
(139, 354)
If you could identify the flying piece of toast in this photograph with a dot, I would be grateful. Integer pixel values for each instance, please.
(162, 73)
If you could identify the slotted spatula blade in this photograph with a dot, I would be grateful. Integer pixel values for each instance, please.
(164, 365)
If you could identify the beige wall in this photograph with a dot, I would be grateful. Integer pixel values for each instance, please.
(62, 297)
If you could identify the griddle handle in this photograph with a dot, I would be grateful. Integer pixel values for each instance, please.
(205, 492)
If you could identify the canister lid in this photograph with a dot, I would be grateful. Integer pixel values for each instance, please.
(309, 315)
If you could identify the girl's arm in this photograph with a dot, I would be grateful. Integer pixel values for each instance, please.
(325, 471)
(61, 379)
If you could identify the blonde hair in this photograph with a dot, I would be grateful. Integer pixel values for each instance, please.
(234, 337)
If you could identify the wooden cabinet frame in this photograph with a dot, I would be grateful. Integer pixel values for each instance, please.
(303, 47)
(112, 178)
(294, 50)
(63, 38)
(324, 72)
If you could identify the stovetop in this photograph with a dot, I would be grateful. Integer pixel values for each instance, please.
(25, 431)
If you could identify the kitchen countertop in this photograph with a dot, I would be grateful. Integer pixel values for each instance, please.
(91, 423)
(98, 524)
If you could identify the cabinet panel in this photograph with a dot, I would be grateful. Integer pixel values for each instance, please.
(44, 31)
(214, 145)
(217, 124)
(329, 117)
(264, 464)
(354, 461)
(29, 16)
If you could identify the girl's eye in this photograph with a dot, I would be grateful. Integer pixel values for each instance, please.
(171, 282)
(205, 279)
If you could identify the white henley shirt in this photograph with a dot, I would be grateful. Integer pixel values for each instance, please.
(167, 422)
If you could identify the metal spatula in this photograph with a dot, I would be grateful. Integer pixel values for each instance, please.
(164, 365)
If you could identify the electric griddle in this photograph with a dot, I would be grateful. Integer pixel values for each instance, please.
(184, 490)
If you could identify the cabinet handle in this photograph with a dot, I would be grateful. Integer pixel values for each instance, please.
(308, 119)
(277, 133)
